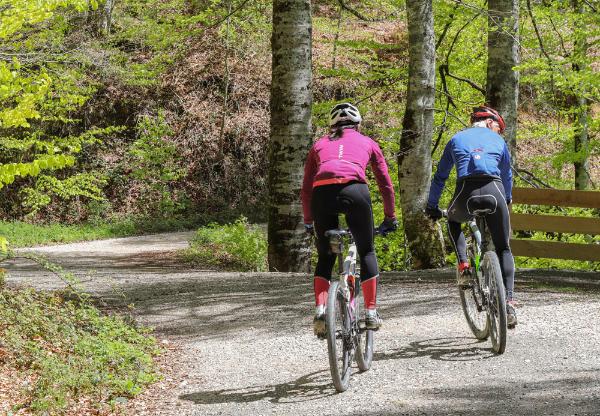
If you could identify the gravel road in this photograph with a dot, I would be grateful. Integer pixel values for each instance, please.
(242, 343)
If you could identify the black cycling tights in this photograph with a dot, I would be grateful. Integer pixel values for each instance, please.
(353, 200)
(474, 194)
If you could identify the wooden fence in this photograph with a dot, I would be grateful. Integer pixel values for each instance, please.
(555, 223)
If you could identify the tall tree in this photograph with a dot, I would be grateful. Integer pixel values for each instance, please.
(414, 161)
(502, 90)
(291, 104)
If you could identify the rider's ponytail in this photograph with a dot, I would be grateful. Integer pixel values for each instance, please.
(338, 130)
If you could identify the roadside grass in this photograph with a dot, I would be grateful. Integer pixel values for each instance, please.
(22, 234)
(236, 246)
(242, 246)
(71, 352)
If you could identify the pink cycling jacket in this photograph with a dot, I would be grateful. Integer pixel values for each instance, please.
(345, 160)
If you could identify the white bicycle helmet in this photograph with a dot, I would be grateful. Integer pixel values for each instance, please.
(344, 112)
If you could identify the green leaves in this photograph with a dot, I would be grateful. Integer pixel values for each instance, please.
(19, 15)
(10, 171)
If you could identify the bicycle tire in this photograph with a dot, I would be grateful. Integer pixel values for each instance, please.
(472, 302)
(496, 301)
(364, 341)
(338, 337)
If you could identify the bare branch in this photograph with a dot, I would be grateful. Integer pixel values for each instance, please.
(590, 6)
(537, 33)
(354, 12)
(446, 27)
(468, 81)
(463, 27)
(450, 114)
(231, 13)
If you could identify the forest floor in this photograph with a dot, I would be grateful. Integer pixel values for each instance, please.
(242, 343)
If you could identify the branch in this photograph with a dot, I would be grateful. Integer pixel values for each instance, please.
(562, 42)
(361, 16)
(377, 91)
(443, 69)
(450, 114)
(234, 11)
(532, 176)
(446, 27)
(590, 6)
(355, 12)
(468, 81)
(458, 34)
(442, 129)
(537, 33)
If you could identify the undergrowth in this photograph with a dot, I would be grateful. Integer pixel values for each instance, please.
(236, 246)
(71, 351)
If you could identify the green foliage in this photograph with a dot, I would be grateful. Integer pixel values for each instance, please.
(238, 246)
(157, 164)
(72, 350)
(42, 88)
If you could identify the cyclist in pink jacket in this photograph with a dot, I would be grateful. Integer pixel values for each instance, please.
(335, 183)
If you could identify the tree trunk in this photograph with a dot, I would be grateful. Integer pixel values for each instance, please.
(291, 103)
(503, 55)
(580, 139)
(424, 237)
(582, 144)
(102, 17)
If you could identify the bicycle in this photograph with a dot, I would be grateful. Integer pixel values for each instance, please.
(347, 336)
(483, 300)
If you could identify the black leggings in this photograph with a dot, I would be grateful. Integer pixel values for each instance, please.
(483, 193)
(353, 200)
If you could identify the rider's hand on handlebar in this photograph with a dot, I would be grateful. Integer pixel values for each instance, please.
(435, 213)
(387, 226)
(309, 228)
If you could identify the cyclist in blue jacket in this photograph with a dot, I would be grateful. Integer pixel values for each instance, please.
(484, 181)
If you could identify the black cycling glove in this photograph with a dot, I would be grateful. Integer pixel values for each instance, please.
(387, 226)
(309, 228)
(435, 213)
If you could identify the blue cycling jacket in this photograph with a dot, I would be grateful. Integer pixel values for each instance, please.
(476, 151)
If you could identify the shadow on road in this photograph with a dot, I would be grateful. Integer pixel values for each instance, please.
(213, 305)
(574, 395)
(312, 386)
(443, 349)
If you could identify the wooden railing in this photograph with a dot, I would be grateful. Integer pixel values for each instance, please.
(555, 223)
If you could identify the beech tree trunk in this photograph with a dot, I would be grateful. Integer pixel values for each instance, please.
(424, 237)
(291, 103)
(502, 92)
(102, 17)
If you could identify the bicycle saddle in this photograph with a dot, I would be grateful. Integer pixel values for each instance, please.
(337, 233)
(482, 212)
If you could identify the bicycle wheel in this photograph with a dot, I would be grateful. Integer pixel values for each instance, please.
(339, 337)
(472, 302)
(364, 341)
(496, 301)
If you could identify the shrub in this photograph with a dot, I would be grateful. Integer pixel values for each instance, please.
(239, 246)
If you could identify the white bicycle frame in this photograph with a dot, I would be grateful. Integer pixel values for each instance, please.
(348, 267)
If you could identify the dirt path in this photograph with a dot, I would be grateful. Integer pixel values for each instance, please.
(244, 343)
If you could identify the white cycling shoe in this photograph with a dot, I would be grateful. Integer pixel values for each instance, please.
(373, 319)
(319, 322)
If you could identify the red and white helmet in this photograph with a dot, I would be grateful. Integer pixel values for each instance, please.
(344, 112)
(484, 112)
